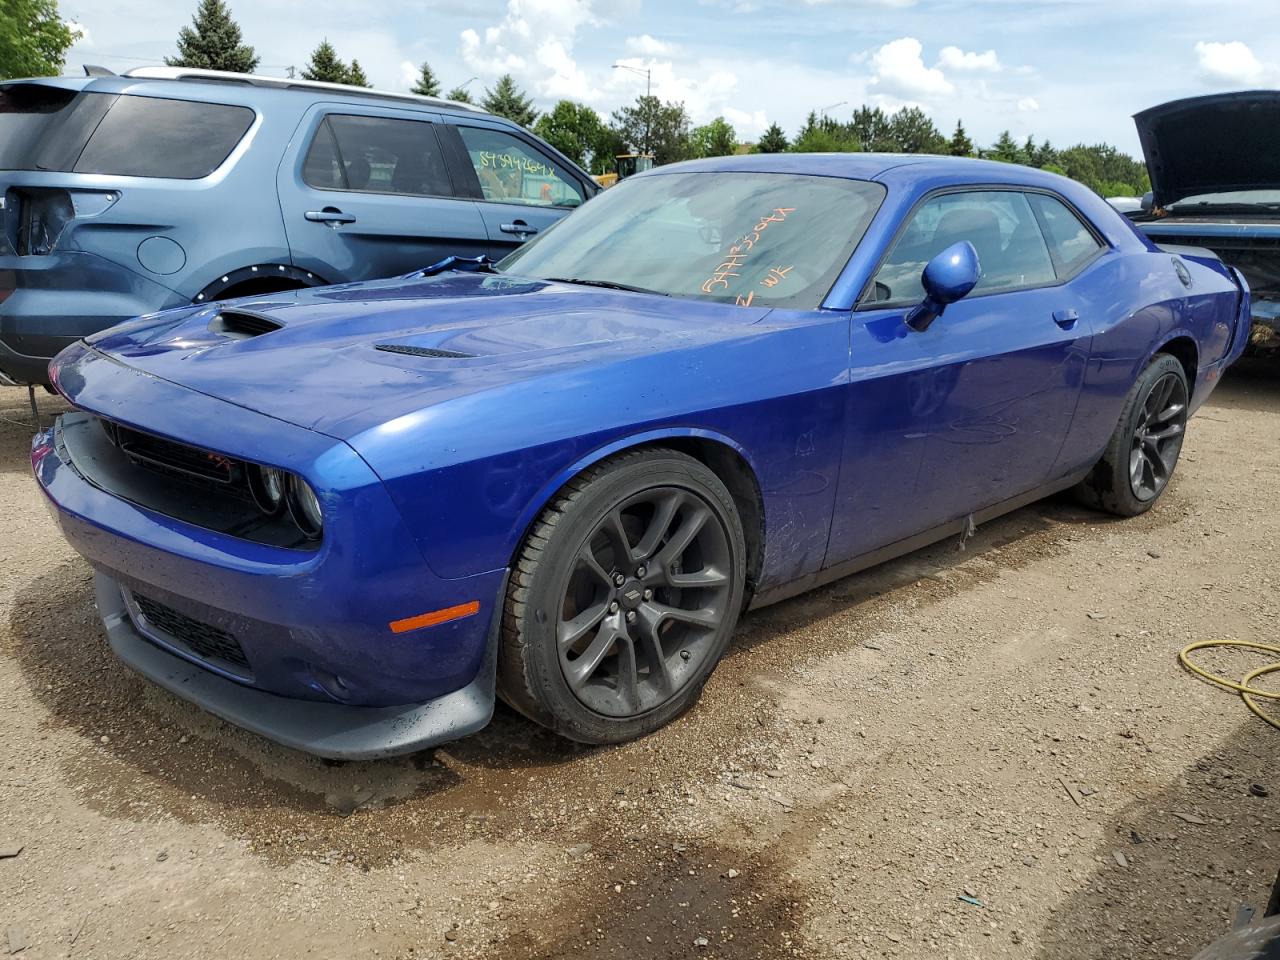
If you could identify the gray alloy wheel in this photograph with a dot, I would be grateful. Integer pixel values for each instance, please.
(1157, 435)
(624, 598)
(1140, 458)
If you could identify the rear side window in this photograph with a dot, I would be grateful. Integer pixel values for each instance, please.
(511, 171)
(1070, 241)
(999, 224)
(376, 155)
(176, 139)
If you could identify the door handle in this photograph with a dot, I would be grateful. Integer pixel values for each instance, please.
(1066, 319)
(518, 227)
(330, 216)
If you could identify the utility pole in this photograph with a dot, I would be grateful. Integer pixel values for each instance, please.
(290, 71)
(647, 73)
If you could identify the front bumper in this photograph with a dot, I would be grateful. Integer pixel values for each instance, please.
(324, 729)
(309, 632)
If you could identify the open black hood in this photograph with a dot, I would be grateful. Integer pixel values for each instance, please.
(1213, 144)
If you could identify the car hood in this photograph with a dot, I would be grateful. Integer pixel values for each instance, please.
(340, 360)
(1215, 144)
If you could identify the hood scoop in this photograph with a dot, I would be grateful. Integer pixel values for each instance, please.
(243, 324)
(434, 353)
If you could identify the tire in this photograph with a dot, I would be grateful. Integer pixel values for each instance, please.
(1143, 451)
(623, 598)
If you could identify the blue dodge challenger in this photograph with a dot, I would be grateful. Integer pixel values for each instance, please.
(349, 518)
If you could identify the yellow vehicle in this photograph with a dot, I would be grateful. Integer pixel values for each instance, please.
(625, 164)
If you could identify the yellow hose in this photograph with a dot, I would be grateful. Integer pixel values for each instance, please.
(1245, 687)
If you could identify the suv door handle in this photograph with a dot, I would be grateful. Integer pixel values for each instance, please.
(519, 227)
(331, 216)
(1066, 319)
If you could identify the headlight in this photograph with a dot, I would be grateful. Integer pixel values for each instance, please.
(267, 484)
(304, 506)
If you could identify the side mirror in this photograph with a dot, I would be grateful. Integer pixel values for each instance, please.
(1148, 202)
(947, 278)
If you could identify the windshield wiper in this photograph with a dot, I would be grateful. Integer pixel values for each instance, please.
(607, 284)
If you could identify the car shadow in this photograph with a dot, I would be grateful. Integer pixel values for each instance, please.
(1171, 869)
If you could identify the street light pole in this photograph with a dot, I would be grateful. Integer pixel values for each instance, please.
(647, 73)
(832, 106)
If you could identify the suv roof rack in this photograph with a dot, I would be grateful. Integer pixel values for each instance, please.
(281, 83)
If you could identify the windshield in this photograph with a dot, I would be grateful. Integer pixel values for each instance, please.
(754, 239)
(1236, 198)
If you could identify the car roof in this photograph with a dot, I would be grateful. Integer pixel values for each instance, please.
(246, 88)
(871, 166)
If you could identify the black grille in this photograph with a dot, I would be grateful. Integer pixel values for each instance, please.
(434, 352)
(176, 459)
(204, 640)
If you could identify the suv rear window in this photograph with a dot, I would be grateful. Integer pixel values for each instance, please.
(45, 128)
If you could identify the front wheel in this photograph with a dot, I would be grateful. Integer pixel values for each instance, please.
(1140, 458)
(623, 598)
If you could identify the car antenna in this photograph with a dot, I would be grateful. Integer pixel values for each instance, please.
(93, 70)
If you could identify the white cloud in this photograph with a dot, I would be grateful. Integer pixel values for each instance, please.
(953, 58)
(1228, 63)
(534, 42)
(746, 124)
(704, 90)
(647, 46)
(409, 74)
(1028, 105)
(85, 39)
(899, 70)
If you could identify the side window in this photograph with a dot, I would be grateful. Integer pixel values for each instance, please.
(152, 137)
(511, 171)
(999, 224)
(1070, 241)
(376, 155)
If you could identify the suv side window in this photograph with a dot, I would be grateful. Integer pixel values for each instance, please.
(376, 155)
(999, 224)
(511, 171)
(154, 137)
(1071, 243)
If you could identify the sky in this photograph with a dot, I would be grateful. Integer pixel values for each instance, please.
(1069, 71)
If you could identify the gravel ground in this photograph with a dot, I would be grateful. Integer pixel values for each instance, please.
(1006, 723)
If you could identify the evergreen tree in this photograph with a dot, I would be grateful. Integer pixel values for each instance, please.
(212, 42)
(355, 75)
(873, 129)
(913, 132)
(428, 84)
(325, 65)
(33, 39)
(825, 135)
(1006, 149)
(960, 145)
(772, 141)
(459, 94)
(505, 99)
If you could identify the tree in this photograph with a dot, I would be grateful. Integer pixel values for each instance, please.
(212, 42)
(825, 135)
(873, 129)
(459, 94)
(715, 139)
(1006, 149)
(356, 77)
(507, 100)
(325, 65)
(608, 144)
(660, 129)
(772, 141)
(33, 39)
(912, 130)
(960, 145)
(571, 128)
(428, 85)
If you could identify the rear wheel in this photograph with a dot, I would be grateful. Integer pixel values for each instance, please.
(1143, 451)
(623, 599)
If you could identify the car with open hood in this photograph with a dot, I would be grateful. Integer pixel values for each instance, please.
(1215, 185)
(348, 517)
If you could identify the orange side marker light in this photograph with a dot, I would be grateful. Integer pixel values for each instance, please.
(436, 617)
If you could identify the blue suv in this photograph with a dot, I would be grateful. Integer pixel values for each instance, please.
(122, 195)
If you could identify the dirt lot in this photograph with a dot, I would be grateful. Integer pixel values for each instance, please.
(866, 756)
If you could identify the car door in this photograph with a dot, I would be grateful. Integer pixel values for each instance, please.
(1006, 363)
(366, 193)
(521, 189)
